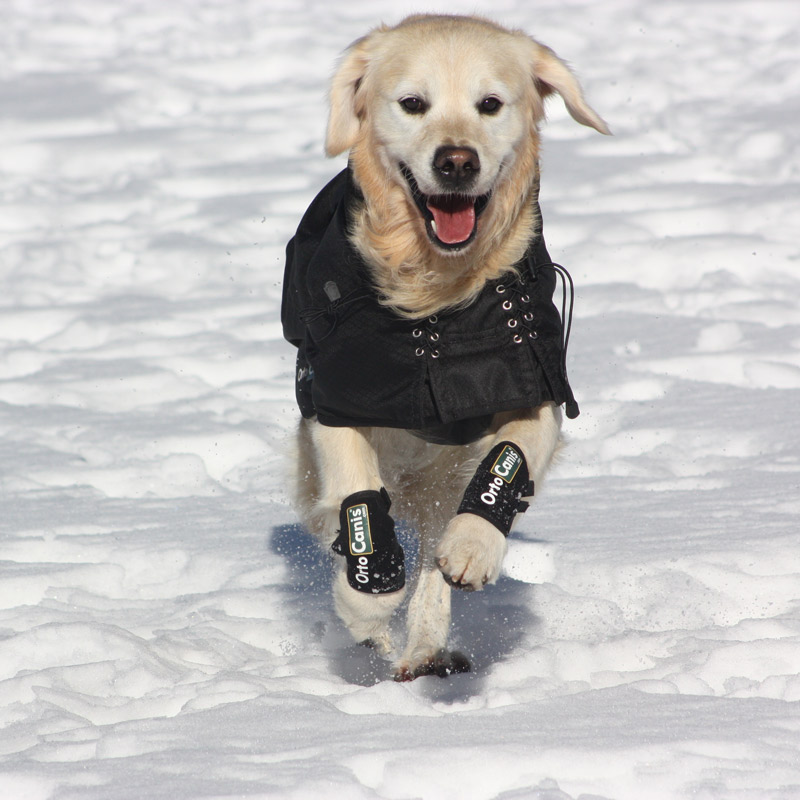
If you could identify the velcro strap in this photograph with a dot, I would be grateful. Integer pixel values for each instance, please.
(497, 487)
(375, 560)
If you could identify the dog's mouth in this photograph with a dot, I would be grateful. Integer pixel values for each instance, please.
(451, 220)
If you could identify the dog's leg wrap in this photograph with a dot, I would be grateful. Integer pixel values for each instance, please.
(375, 561)
(497, 487)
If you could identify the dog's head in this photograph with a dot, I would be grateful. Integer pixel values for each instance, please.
(448, 109)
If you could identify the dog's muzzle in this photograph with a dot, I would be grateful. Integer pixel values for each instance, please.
(451, 218)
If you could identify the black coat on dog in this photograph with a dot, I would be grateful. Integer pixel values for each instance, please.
(442, 377)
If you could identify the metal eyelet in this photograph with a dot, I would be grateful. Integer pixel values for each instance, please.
(416, 333)
(517, 339)
(507, 305)
(527, 316)
(434, 337)
(525, 298)
(434, 354)
(433, 319)
(420, 351)
(500, 288)
(533, 334)
(512, 323)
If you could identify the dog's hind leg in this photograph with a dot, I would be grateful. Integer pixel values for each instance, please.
(426, 650)
(345, 464)
(428, 615)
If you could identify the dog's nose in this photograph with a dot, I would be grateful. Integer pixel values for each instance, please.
(457, 166)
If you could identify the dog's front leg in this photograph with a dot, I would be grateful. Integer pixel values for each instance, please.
(474, 545)
(353, 510)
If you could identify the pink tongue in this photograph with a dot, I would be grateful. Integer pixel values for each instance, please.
(454, 218)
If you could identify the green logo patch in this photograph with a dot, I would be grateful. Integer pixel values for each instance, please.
(507, 465)
(358, 530)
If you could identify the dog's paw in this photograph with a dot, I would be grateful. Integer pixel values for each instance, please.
(471, 552)
(366, 616)
(443, 664)
(381, 643)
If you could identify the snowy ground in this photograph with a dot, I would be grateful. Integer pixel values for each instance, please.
(164, 630)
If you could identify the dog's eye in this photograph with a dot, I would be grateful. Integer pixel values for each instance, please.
(490, 105)
(414, 105)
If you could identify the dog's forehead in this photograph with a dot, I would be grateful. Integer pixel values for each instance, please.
(454, 61)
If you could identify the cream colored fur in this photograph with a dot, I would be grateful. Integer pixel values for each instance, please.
(453, 62)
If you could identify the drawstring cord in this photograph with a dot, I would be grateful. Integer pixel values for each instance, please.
(566, 321)
(566, 329)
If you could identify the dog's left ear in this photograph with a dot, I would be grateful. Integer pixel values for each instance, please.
(553, 75)
(344, 119)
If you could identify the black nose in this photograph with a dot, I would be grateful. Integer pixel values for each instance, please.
(456, 167)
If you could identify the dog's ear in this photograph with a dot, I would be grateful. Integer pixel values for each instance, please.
(553, 75)
(344, 120)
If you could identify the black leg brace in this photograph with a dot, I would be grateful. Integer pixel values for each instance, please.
(496, 488)
(375, 561)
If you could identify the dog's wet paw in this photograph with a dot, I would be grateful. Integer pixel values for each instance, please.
(366, 616)
(380, 643)
(471, 552)
(444, 664)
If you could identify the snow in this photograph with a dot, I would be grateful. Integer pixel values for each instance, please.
(165, 629)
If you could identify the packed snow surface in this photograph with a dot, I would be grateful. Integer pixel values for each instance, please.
(165, 629)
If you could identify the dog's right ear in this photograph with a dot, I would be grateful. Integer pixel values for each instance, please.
(345, 115)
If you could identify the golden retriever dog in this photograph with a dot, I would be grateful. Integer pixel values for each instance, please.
(418, 291)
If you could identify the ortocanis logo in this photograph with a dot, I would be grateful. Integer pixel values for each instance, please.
(507, 464)
(358, 532)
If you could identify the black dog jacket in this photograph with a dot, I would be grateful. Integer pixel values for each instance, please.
(444, 376)
(375, 560)
(498, 486)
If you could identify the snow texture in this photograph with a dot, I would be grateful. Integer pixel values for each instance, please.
(165, 627)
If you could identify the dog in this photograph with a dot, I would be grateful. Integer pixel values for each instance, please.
(431, 362)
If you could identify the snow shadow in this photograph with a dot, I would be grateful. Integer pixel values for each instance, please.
(487, 626)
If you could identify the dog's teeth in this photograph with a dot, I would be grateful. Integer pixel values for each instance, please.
(433, 225)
